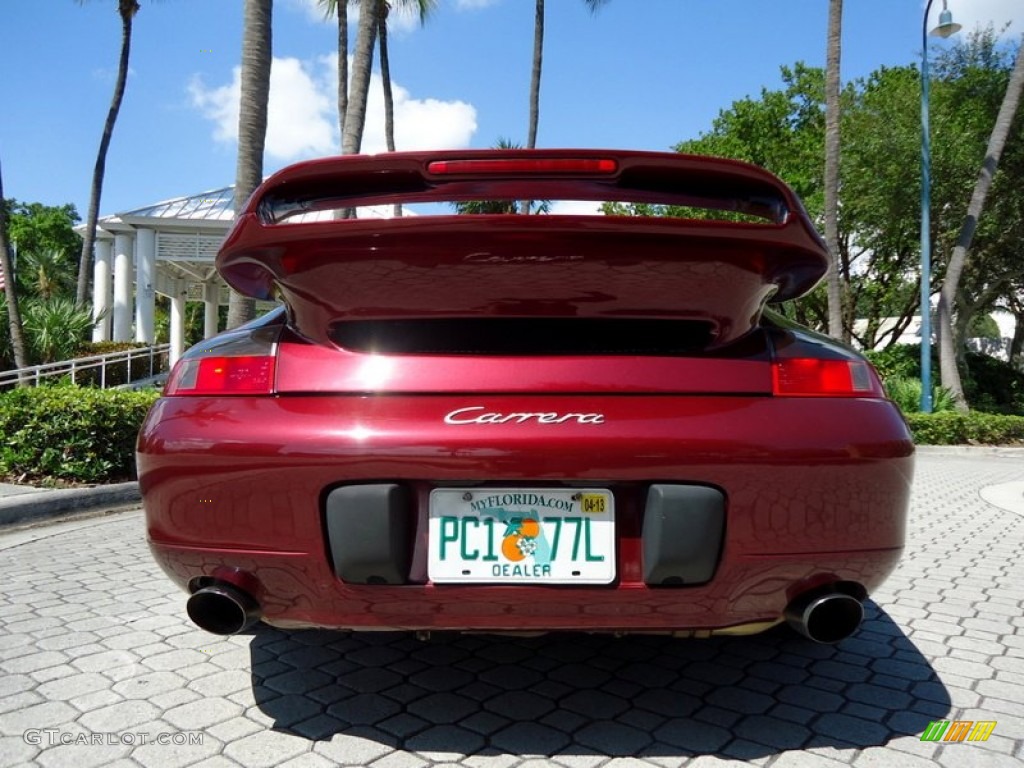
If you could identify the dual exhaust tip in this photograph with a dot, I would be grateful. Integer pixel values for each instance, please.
(824, 617)
(222, 608)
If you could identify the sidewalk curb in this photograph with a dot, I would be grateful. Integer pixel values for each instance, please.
(1006, 451)
(27, 508)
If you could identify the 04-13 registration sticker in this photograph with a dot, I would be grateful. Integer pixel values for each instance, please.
(522, 536)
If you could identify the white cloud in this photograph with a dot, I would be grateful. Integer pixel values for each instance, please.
(401, 20)
(981, 13)
(302, 114)
(311, 8)
(472, 5)
(298, 116)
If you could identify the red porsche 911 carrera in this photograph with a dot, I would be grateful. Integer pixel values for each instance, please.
(474, 419)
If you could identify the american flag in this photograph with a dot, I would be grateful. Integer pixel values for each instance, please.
(1, 278)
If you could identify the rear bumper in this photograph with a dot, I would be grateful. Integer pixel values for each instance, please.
(815, 491)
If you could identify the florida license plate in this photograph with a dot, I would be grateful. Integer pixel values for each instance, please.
(522, 536)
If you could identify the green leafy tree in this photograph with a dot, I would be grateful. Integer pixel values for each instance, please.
(126, 10)
(36, 227)
(15, 328)
(951, 284)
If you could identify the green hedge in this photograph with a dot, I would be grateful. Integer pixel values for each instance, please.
(71, 434)
(974, 428)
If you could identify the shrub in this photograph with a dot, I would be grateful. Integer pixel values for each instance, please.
(55, 327)
(67, 433)
(899, 360)
(975, 428)
(906, 393)
(993, 385)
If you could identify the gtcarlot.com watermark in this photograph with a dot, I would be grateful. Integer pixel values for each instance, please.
(52, 737)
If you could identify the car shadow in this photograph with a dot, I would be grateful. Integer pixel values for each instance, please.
(579, 694)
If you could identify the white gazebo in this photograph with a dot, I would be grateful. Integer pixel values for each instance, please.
(166, 248)
(169, 248)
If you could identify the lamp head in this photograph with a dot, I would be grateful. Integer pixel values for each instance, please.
(946, 26)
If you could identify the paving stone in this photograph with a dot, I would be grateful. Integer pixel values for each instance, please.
(17, 701)
(49, 714)
(266, 749)
(612, 738)
(33, 662)
(520, 705)
(11, 684)
(595, 705)
(740, 700)
(201, 714)
(692, 736)
(530, 739)
(95, 700)
(364, 709)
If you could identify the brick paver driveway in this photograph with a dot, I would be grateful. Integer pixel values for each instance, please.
(100, 667)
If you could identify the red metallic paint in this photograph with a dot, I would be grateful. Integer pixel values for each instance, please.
(803, 501)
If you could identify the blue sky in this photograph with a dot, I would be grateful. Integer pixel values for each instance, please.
(617, 78)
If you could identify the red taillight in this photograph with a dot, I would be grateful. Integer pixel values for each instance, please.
(539, 166)
(243, 375)
(810, 377)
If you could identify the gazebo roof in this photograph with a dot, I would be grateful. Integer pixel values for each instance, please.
(215, 205)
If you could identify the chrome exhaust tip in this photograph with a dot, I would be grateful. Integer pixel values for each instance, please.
(222, 609)
(825, 617)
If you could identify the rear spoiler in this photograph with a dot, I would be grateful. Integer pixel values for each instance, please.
(321, 266)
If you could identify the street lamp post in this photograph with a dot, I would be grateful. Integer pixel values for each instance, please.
(945, 28)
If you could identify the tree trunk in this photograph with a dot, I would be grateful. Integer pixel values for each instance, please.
(127, 9)
(14, 324)
(257, 54)
(538, 60)
(958, 260)
(1017, 342)
(342, 67)
(835, 294)
(362, 63)
(385, 76)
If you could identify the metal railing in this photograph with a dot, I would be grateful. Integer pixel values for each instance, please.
(108, 367)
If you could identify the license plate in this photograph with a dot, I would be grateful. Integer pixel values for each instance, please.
(522, 536)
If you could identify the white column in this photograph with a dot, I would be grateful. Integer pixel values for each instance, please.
(211, 315)
(177, 321)
(145, 270)
(101, 290)
(123, 287)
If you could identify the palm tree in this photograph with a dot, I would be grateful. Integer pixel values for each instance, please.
(423, 7)
(127, 10)
(46, 273)
(538, 57)
(14, 323)
(949, 371)
(835, 296)
(362, 64)
(332, 7)
(257, 53)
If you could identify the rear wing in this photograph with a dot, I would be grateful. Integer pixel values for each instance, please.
(294, 239)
